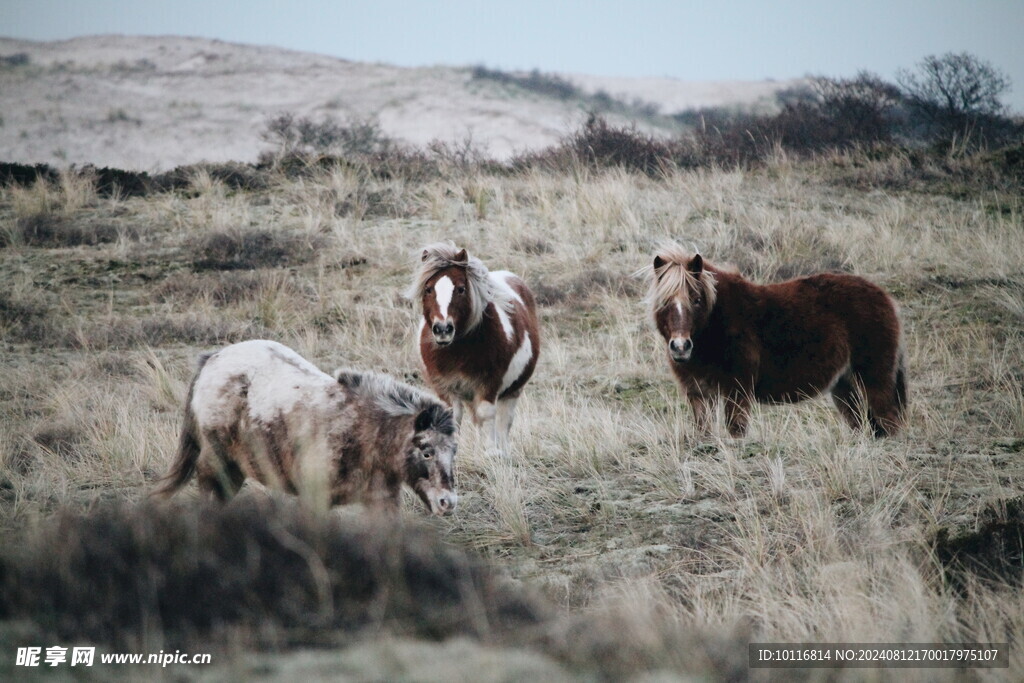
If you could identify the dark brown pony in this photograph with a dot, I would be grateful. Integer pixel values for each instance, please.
(478, 336)
(730, 338)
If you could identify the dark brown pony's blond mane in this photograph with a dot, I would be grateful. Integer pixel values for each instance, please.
(673, 278)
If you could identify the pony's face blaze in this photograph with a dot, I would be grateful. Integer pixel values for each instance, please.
(430, 460)
(681, 318)
(446, 304)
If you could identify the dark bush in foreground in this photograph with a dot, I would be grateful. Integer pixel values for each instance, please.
(122, 574)
(992, 553)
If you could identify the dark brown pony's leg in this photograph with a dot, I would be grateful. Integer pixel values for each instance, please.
(885, 387)
(737, 413)
(847, 398)
(217, 475)
(703, 412)
(885, 411)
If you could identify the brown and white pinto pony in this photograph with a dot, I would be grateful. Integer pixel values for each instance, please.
(478, 337)
(780, 343)
(258, 409)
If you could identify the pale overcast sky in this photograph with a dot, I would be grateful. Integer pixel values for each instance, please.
(721, 40)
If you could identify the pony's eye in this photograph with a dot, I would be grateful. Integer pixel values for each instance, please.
(428, 290)
(460, 289)
(427, 455)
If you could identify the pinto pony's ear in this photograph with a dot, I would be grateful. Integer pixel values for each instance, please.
(435, 416)
(697, 264)
(348, 378)
(461, 257)
(425, 256)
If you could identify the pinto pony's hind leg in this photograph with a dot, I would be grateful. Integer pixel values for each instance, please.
(221, 482)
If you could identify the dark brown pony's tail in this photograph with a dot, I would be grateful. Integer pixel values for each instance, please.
(188, 445)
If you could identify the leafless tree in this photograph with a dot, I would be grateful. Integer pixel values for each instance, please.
(954, 91)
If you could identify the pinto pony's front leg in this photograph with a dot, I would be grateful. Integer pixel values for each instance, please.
(503, 422)
(485, 413)
(457, 410)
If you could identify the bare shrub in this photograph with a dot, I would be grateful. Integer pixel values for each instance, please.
(263, 568)
(598, 144)
(554, 86)
(25, 175)
(831, 113)
(15, 60)
(303, 136)
(956, 94)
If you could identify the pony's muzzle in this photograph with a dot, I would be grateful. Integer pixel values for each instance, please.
(446, 503)
(681, 348)
(443, 332)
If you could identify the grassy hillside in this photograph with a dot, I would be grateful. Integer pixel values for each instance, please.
(648, 549)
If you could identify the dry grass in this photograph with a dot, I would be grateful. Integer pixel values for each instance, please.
(664, 552)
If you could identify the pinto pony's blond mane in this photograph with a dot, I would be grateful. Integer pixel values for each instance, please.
(674, 278)
(441, 255)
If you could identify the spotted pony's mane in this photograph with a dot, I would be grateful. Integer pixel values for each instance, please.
(395, 398)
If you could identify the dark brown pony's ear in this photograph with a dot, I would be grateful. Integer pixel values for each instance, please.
(697, 264)
(461, 257)
(658, 263)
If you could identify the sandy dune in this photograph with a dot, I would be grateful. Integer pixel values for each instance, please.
(153, 103)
